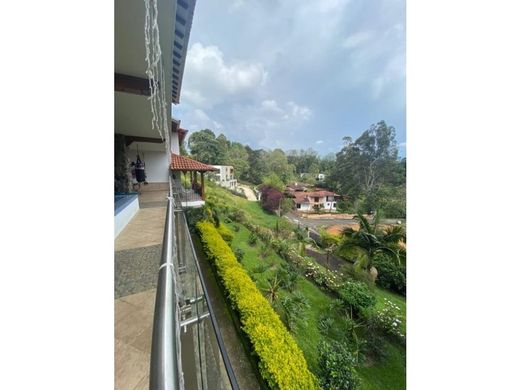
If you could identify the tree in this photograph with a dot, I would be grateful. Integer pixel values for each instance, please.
(304, 161)
(238, 157)
(276, 162)
(370, 240)
(205, 148)
(223, 146)
(257, 165)
(272, 180)
(271, 198)
(367, 163)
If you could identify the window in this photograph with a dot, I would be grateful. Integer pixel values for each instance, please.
(298, 206)
(316, 199)
(334, 204)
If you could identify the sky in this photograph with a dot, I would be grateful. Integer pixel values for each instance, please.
(295, 74)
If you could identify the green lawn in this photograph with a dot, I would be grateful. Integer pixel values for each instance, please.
(389, 374)
(386, 375)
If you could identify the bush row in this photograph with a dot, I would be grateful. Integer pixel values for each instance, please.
(281, 362)
(320, 275)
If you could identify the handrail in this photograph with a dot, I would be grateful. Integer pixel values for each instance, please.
(164, 369)
(165, 365)
(227, 363)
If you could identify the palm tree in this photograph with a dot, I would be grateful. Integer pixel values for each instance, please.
(370, 240)
(273, 287)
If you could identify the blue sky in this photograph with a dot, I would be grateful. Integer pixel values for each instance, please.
(295, 74)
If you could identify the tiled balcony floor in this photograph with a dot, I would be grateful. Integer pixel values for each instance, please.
(133, 340)
(137, 256)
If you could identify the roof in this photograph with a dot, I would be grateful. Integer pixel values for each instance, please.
(296, 187)
(181, 163)
(182, 134)
(304, 197)
(301, 197)
(181, 35)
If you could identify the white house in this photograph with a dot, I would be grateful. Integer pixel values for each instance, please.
(225, 176)
(306, 201)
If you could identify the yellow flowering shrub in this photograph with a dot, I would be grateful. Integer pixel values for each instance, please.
(225, 233)
(281, 361)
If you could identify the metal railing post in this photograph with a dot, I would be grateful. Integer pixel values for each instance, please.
(164, 369)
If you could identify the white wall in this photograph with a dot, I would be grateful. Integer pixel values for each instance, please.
(157, 165)
(305, 207)
(124, 216)
(174, 140)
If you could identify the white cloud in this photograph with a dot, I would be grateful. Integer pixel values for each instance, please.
(270, 122)
(297, 111)
(209, 80)
(355, 40)
(271, 105)
(320, 141)
(198, 119)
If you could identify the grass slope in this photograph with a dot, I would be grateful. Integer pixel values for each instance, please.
(389, 374)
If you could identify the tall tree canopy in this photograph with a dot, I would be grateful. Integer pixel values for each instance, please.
(366, 165)
(205, 147)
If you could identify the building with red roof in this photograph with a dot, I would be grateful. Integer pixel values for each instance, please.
(306, 201)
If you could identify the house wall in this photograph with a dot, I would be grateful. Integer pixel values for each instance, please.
(327, 205)
(157, 165)
(305, 207)
(174, 143)
(224, 177)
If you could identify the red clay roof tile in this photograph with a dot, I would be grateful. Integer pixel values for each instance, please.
(181, 163)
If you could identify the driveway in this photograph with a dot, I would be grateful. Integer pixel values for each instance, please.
(316, 224)
(248, 192)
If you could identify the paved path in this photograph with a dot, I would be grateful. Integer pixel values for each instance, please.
(248, 192)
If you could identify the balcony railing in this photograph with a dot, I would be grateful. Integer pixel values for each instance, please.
(187, 347)
(185, 197)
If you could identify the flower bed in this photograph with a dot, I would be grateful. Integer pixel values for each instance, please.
(281, 362)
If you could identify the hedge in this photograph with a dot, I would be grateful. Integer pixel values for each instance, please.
(281, 362)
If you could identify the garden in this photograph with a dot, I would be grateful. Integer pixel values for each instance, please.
(308, 326)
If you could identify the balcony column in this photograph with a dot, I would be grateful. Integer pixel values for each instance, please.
(202, 185)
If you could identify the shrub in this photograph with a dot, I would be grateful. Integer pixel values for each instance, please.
(260, 268)
(294, 306)
(390, 275)
(271, 199)
(225, 233)
(236, 228)
(336, 365)
(325, 324)
(265, 250)
(239, 254)
(238, 215)
(194, 215)
(288, 277)
(252, 239)
(281, 362)
(356, 296)
(387, 320)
